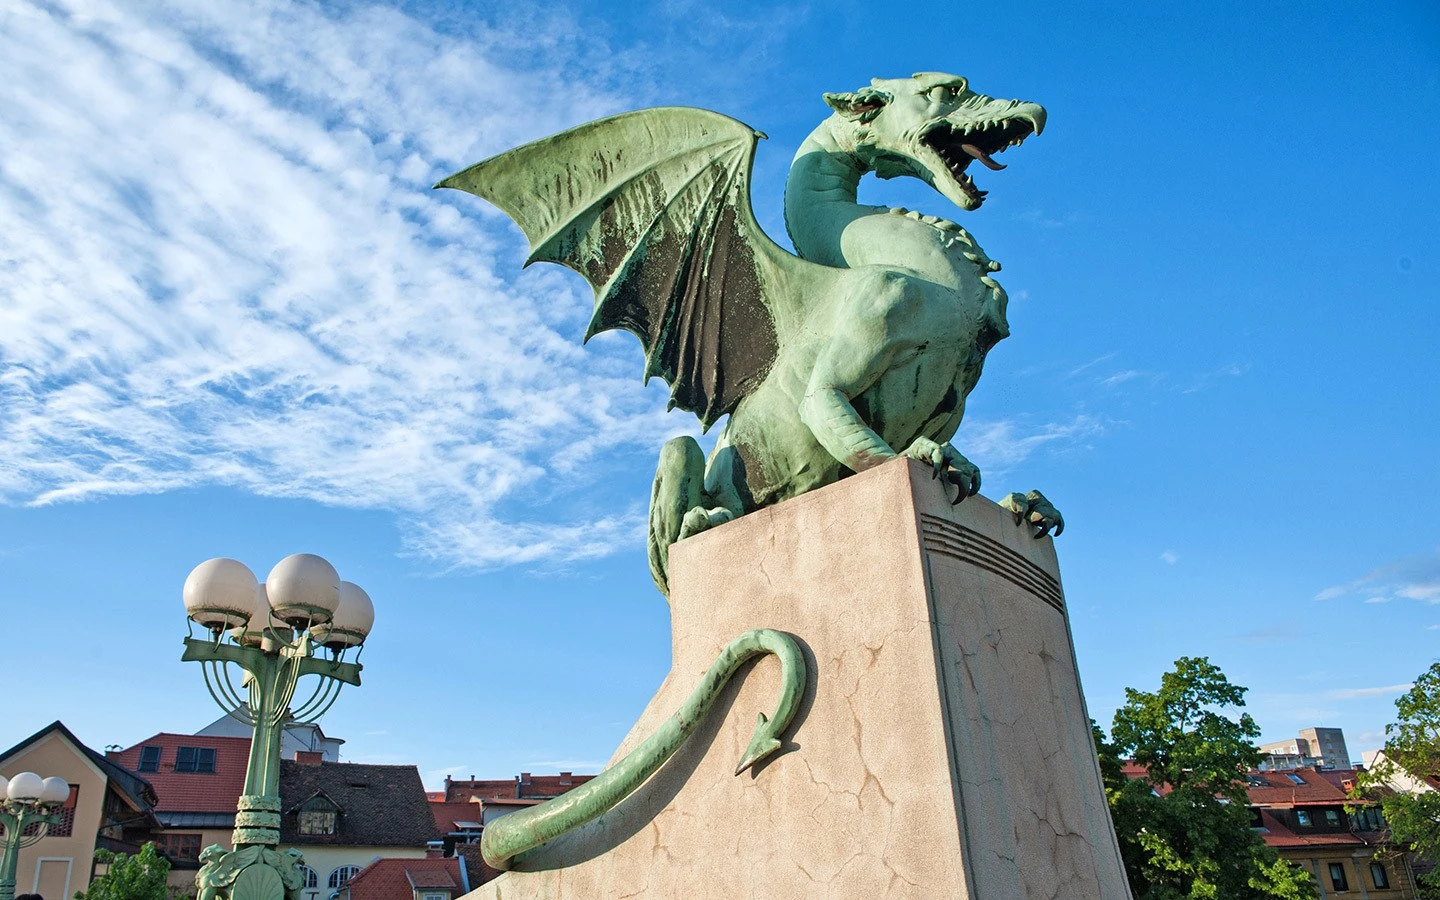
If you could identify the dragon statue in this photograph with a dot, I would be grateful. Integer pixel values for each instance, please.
(861, 348)
(869, 340)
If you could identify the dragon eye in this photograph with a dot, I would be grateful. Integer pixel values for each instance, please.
(941, 94)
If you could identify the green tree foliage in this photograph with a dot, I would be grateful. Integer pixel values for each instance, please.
(138, 877)
(1184, 828)
(1412, 748)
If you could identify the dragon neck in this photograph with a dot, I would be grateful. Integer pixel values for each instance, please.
(820, 192)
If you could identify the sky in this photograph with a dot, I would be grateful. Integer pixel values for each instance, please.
(235, 321)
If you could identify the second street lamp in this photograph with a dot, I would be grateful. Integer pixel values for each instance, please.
(26, 800)
(302, 621)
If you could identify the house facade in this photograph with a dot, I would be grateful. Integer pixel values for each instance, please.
(109, 808)
(1302, 814)
(197, 781)
(344, 816)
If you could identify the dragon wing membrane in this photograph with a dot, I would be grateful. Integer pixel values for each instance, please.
(653, 209)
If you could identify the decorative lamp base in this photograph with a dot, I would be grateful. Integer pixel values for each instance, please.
(249, 873)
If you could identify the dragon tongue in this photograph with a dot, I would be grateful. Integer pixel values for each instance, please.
(981, 155)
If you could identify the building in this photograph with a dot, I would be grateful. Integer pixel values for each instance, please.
(409, 879)
(1322, 748)
(110, 808)
(1302, 814)
(522, 787)
(295, 738)
(343, 816)
(197, 780)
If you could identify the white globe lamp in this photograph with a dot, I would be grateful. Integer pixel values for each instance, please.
(304, 590)
(220, 593)
(352, 621)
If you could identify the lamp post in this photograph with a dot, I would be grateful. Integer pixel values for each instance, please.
(275, 633)
(26, 800)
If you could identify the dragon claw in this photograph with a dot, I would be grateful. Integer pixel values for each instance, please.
(1035, 511)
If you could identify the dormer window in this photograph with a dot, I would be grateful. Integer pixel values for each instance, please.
(149, 760)
(318, 815)
(195, 759)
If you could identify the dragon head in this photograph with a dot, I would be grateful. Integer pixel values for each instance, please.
(931, 126)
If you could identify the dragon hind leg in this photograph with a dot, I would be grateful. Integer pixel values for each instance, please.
(679, 504)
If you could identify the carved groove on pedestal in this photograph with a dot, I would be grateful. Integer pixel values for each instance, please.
(967, 545)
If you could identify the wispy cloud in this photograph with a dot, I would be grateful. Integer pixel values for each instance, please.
(1409, 578)
(1170, 557)
(1355, 693)
(998, 446)
(223, 264)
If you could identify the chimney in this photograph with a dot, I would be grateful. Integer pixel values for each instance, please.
(565, 777)
(309, 757)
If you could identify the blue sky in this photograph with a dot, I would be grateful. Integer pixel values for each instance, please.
(234, 321)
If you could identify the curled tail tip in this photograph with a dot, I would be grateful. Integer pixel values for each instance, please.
(762, 745)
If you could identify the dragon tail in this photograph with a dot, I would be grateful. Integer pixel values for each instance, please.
(508, 837)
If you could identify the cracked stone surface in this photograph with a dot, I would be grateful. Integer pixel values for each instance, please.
(943, 749)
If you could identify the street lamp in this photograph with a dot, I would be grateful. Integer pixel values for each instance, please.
(27, 803)
(302, 621)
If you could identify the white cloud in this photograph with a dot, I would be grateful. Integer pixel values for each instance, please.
(1356, 693)
(1170, 557)
(222, 263)
(998, 446)
(1411, 577)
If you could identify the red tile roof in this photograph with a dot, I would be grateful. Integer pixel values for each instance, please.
(524, 786)
(1278, 834)
(215, 791)
(397, 879)
(1315, 789)
(448, 814)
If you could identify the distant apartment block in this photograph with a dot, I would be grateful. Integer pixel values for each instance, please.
(1321, 748)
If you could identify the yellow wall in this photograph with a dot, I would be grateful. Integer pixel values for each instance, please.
(1316, 860)
(185, 878)
(59, 866)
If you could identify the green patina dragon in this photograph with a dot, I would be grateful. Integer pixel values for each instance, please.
(869, 340)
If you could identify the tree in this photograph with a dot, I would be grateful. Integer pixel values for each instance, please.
(138, 877)
(1398, 778)
(1184, 828)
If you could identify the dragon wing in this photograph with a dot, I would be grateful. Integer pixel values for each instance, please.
(653, 209)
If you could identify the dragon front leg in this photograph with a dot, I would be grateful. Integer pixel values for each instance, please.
(511, 835)
(679, 505)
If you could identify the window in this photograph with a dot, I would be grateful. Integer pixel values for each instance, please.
(1332, 818)
(149, 760)
(318, 815)
(342, 875)
(66, 826)
(1337, 877)
(1368, 818)
(435, 896)
(1302, 818)
(311, 879)
(1377, 873)
(1295, 778)
(195, 759)
(180, 847)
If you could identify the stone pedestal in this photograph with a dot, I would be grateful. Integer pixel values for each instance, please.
(943, 749)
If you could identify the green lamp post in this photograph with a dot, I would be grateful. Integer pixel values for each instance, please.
(302, 621)
(26, 800)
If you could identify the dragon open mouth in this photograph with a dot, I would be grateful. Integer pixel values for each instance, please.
(957, 146)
